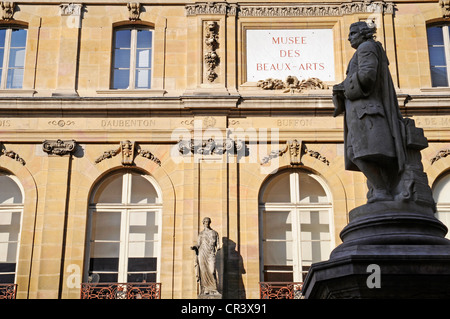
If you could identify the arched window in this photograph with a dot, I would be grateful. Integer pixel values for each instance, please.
(441, 195)
(295, 225)
(11, 210)
(12, 56)
(124, 229)
(132, 58)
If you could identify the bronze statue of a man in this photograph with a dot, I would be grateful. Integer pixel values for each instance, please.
(206, 248)
(374, 129)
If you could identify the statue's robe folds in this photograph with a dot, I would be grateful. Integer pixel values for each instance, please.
(373, 123)
(207, 245)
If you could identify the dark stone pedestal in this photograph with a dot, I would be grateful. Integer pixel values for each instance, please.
(406, 247)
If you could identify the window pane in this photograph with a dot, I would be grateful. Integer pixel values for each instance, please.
(310, 190)
(18, 38)
(435, 36)
(106, 226)
(143, 234)
(278, 190)
(443, 214)
(437, 56)
(17, 58)
(143, 58)
(104, 264)
(2, 37)
(441, 190)
(121, 79)
(144, 39)
(439, 76)
(10, 192)
(142, 191)
(122, 39)
(143, 79)
(14, 79)
(278, 253)
(9, 236)
(122, 58)
(277, 225)
(110, 190)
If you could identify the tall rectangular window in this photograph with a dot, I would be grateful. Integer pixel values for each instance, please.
(132, 60)
(12, 57)
(439, 54)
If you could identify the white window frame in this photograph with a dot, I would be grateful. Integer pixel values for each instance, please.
(133, 51)
(295, 208)
(14, 208)
(125, 208)
(6, 57)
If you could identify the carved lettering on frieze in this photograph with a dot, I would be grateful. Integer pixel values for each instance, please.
(59, 147)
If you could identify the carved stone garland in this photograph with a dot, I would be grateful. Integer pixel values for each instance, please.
(11, 154)
(129, 150)
(296, 151)
(211, 57)
(292, 84)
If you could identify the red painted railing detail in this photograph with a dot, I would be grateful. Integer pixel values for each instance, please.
(113, 290)
(280, 290)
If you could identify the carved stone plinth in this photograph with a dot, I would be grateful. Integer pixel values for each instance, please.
(209, 296)
(403, 240)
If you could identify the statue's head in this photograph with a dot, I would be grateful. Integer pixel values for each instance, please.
(206, 221)
(360, 32)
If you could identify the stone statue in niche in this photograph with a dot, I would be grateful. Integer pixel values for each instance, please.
(379, 142)
(205, 260)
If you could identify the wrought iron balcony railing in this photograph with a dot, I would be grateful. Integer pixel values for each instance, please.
(138, 290)
(280, 290)
(8, 291)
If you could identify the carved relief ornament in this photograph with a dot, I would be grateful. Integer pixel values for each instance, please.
(211, 44)
(445, 6)
(210, 8)
(209, 147)
(296, 149)
(129, 150)
(70, 9)
(134, 10)
(59, 147)
(8, 9)
(224, 8)
(11, 154)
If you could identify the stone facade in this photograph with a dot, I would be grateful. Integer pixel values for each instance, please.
(66, 128)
